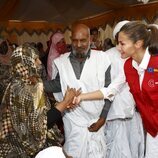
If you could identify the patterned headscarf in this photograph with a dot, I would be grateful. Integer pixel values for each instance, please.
(23, 63)
(53, 53)
(23, 119)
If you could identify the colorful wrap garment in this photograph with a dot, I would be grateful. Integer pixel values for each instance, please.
(23, 119)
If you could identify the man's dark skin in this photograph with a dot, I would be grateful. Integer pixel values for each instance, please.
(80, 53)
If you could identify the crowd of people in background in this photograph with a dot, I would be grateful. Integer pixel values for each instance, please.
(91, 99)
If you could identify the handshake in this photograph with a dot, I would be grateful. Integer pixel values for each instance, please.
(70, 101)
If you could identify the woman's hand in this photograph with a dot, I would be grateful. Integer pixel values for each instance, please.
(67, 102)
(70, 94)
(77, 99)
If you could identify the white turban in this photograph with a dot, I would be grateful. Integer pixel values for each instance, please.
(51, 152)
(118, 27)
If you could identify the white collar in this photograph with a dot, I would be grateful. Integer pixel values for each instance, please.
(144, 63)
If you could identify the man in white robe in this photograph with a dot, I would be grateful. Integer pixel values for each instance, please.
(86, 69)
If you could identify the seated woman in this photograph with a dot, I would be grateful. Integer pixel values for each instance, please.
(24, 109)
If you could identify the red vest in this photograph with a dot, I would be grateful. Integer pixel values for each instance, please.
(146, 98)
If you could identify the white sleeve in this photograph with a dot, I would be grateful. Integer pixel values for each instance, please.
(116, 83)
(114, 88)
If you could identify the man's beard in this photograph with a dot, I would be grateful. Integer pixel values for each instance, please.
(78, 54)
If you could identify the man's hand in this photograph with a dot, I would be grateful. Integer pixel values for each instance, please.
(70, 94)
(97, 125)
